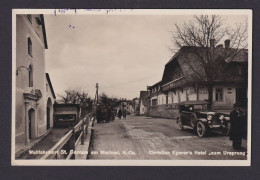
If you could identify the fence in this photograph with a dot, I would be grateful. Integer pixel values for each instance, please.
(56, 151)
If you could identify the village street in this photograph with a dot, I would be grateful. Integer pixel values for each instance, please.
(140, 137)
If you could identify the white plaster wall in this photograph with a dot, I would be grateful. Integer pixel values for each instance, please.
(25, 29)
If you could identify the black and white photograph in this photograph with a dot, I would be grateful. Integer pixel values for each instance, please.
(131, 87)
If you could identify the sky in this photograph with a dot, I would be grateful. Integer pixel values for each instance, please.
(123, 53)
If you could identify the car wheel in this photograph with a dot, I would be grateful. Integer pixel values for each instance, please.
(201, 129)
(226, 130)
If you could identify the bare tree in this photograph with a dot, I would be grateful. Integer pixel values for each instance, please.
(203, 61)
(73, 96)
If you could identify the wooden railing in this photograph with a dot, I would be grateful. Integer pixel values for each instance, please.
(56, 151)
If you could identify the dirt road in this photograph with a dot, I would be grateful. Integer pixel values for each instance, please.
(140, 137)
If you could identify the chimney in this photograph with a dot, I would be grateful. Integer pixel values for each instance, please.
(212, 42)
(227, 43)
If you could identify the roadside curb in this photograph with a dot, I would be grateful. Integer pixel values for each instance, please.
(23, 150)
(82, 150)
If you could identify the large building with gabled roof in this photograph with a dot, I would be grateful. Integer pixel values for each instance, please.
(34, 91)
(183, 80)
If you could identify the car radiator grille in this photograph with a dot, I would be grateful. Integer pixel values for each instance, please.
(215, 120)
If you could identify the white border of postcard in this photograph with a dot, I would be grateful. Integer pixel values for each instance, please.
(60, 12)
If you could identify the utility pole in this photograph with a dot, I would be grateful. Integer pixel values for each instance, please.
(97, 91)
(96, 102)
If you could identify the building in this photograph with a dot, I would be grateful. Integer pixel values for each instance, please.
(136, 106)
(66, 115)
(143, 102)
(34, 92)
(179, 82)
(127, 105)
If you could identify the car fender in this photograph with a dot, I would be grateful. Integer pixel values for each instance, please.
(202, 120)
(227, 118)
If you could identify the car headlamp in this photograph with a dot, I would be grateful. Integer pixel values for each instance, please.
(221, 117)
(209, 117)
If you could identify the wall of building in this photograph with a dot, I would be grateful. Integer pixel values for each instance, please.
(143, 108)
(188, 94)
(229, 97)
(25, 29)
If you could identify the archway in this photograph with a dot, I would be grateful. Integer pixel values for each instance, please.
(31, 123)
(49, 112)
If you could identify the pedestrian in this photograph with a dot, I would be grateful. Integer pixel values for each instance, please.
(124, 113)
(236, 129)
(119, 113)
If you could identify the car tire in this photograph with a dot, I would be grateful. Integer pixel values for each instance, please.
(226, 130)
(201, 129)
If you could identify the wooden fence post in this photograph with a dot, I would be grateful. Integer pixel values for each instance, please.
(58, 155)
(74, 141)
(82, 131)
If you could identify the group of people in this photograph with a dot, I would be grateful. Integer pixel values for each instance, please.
(105, 115)
(120, 113)
(238, 129)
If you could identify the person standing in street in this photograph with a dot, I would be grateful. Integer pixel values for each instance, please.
(119, 113)
(236, 129)
(124, 113)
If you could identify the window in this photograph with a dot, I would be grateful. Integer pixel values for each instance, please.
(219, 94)
(38, 25)
(29, 46)
(30, 76)
(29, 17)
(154, 102)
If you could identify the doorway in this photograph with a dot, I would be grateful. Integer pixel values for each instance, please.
(48, 118)
(31, 115)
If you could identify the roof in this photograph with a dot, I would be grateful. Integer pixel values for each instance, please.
(158, 83)
(192, 67)
(44, 32)
(64, 112)
(193, 102)
(143, 96)
(50, 85)
(241, 54)
(66, 105)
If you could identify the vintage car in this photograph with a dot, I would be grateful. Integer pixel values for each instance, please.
(196, 115)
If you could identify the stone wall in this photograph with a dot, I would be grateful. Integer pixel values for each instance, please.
(164, 111)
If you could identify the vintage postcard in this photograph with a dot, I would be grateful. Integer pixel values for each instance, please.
(128, 87)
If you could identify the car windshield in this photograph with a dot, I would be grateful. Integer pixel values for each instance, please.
(200, 107)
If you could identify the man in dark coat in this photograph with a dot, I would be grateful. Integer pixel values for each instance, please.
(236, 129)
(119, 113)
(124, 113)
